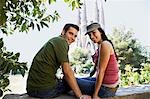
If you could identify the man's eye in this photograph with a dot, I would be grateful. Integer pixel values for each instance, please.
(71, 33)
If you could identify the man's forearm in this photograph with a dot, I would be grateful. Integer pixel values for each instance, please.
(70, 78)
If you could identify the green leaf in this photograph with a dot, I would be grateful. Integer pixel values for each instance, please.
(20, 20)
(1, 62)
(1, 43)
(24, 26)
(4, 31)
(22, 71)
(38, 26)
(73, 5)
(3, 16)
(66, 0)
(32, 25)
(51, 1)
(40, 16)
(26, 9)
(14, 71)
(17, 54)
(14, 2)
(13, 19)
(43, 23)
(34, 2)
(4, 81)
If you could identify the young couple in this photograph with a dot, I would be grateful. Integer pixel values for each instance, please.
(43, 83)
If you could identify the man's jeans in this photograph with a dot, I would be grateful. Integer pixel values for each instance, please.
(60, 88)
(87, 86)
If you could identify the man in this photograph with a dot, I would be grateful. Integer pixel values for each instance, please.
(42, 81)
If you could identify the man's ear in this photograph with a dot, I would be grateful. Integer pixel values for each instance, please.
(63, 33)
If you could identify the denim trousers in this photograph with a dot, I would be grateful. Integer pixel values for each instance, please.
(87, 86)
(61, 88)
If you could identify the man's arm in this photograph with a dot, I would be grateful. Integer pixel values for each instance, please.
(71, 80)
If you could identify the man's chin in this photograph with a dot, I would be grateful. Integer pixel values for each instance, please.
(69, 43)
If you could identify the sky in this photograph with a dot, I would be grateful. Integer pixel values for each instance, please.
(133, 14)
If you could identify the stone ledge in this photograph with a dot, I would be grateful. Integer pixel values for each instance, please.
(134, 92)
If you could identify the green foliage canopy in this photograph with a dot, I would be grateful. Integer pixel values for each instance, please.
(25, 14)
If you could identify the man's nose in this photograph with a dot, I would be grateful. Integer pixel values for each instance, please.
(73, 38)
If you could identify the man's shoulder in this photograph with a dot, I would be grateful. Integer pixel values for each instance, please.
(58, 38)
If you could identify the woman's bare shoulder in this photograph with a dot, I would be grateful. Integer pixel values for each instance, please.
(106, 43)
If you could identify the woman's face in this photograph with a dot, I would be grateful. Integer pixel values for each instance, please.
(95, 36)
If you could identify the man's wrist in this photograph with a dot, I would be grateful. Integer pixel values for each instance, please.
(81, 97)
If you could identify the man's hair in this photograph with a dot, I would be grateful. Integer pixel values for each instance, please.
(67, 26)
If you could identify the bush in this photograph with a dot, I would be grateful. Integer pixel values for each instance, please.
(131, 77)
(81, 61)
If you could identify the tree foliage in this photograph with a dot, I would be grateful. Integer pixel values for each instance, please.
(25, 14)
(9, 64)
(129, 50)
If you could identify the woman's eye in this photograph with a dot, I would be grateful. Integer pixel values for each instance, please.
(93, 32)
(89, 35)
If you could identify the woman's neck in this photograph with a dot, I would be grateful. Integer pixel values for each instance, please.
(100, 42)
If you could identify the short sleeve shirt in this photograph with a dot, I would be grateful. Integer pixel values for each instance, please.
(45, 64)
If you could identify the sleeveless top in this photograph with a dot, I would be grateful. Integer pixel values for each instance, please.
(111, 75)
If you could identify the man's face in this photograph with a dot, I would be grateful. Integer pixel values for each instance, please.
(70, 35)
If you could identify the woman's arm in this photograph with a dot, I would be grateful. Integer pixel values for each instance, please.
(104, 58)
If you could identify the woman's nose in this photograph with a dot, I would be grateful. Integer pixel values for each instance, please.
(91, 36)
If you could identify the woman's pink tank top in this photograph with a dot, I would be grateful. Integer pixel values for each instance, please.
(111, 75)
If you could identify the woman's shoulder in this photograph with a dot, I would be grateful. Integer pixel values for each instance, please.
(106, 44)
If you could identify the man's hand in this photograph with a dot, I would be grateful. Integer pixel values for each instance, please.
(96, 97)
(85, 97)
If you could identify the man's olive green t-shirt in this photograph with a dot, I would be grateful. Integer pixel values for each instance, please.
(42, 73)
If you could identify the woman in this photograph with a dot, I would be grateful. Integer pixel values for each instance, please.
(106, 81)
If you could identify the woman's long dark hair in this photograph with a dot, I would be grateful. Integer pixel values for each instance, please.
(104, 37)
